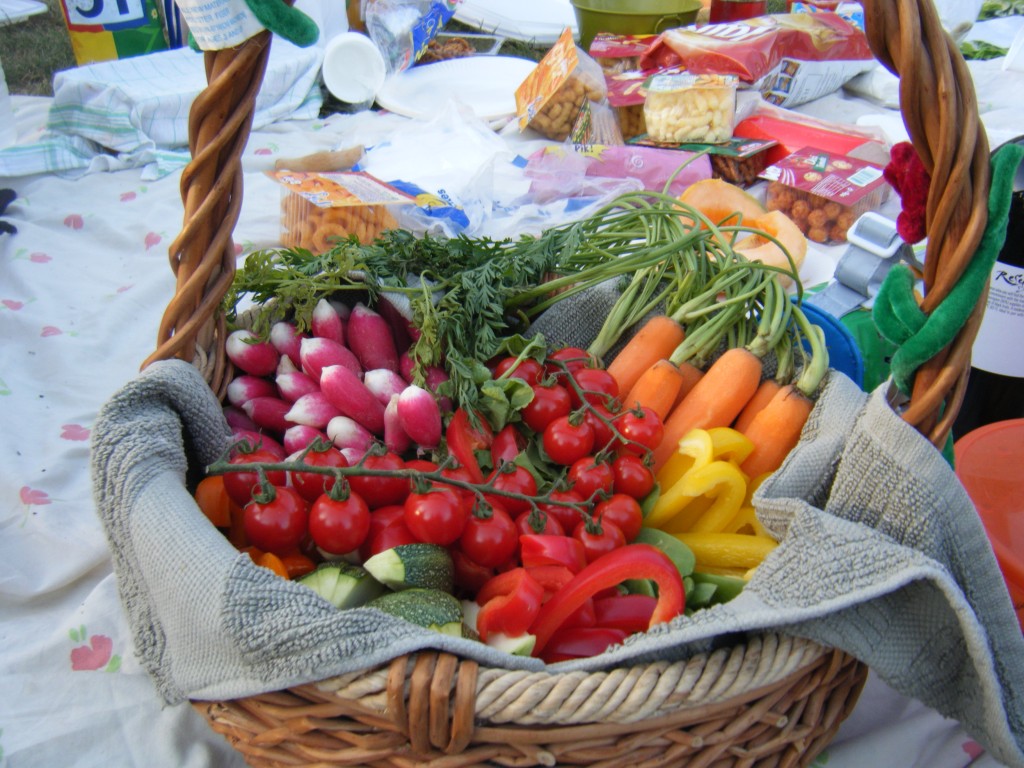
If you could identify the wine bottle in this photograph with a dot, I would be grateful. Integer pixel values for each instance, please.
(995, 385)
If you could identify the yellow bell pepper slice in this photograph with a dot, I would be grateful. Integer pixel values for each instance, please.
(746, 521)
(723, 481)
(752, 485)
(730, 444)
(695, 450)
(727, 550)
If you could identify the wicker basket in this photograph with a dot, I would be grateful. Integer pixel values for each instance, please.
(769, 701)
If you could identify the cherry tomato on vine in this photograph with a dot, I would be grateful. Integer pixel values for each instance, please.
(573, 358)
(590, 476)
(379, 490)
(436, 516)
(550, 524)
(241, 485)
(597, 385)
(566, 516)
(632, 476)
(390, 537)
(598, 541)
(567, 439)
(278, 524)
(469, 576)
(381, 518)
(311, 485)
(549, 402)
(623, 512)
(514, 478)
(421, 465)
(529, 370)
(640, 429)
(600, 420)
(490, 541)
(339, 526)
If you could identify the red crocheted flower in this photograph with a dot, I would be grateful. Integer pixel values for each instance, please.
(907, 175)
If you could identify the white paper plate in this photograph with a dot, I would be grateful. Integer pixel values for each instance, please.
(538, 21)
(486, 84)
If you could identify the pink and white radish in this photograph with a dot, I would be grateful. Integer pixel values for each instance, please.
(243, 388)
(369, 337)
(295, 384)
(395, 437)
(401, 327)
(238, 419)
(286, 339)
(433, 376)
(326, 323)
(245, 350)
(384, 383)
(269, 413)
(313, 410)
(296, 439)
(348, 435)
(346, 392)
(420, 416)
(317, 353)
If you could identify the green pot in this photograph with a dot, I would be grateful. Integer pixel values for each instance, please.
(631, 17)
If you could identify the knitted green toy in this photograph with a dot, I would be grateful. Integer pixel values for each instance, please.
(919, 337)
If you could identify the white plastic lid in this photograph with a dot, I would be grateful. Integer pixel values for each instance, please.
(353, 68)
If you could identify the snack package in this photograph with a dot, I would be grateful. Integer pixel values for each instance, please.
(791, 58)
(688, 107)
(565, 97)
(738, 161)
(824, 193)
(619, 59)
(566, 171)
(319, 209)
(792, 131)
(616, 54)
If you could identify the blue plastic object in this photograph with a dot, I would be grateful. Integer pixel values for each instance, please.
(843, 353)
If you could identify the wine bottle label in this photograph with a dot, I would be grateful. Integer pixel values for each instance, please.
(998, 348)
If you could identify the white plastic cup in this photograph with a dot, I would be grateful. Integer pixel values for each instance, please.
(353, 68)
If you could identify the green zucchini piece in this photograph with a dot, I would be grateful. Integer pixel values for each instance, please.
(413, 565)
(430, 608)
(342, 584)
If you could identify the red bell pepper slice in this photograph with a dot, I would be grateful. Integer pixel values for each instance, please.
(630, 613)
(545, 549)
(633, 561)
(506, 445)
(580, 643)
(510, 602)
(464, 439)
(553, 578)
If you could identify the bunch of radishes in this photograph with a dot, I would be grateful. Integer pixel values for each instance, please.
(349, 379)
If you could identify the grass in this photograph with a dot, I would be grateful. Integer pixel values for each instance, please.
(32, 50)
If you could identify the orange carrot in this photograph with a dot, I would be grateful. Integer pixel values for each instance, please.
(657, 388)
(715, 401)
(273, 562)
(657, 338)
(776, 429)
(764, 393)
(297, 565)
(691, 375)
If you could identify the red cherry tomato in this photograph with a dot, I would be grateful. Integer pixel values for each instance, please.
(596, 543)
(549, 402)
(279, 524)
(632, 476)
(567, 439)
(421, 465)
(380, 519)
(529, 370)
(513, 478)
(623, 512)
(469, 576)
(436, 516)
(640, 430)
(595, 385)
(490, 541)
(591, 477)
(390, 537)
(339, 526)
(312, 485)
(566, 516)
(573, 358)
(549, 524)
(379, 490)
(600, 420)
(240, 485)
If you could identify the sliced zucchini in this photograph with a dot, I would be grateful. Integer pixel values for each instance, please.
(430, 608)
(343, 584)
(413, 565)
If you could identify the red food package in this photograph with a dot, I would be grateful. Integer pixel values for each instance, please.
(792, 58)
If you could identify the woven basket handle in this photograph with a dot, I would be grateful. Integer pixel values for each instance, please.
(939, 109)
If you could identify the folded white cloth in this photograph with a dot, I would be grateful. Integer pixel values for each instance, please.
(881, 555)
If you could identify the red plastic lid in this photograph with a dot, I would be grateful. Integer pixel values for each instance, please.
(990, 464)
